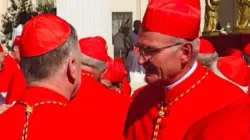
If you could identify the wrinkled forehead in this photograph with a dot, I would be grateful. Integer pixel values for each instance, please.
(153, 39)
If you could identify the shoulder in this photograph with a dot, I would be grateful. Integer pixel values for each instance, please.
(223, 87)
(9, 59)
(147, 93)
(145, 98)
(91, 88)
(230, 122)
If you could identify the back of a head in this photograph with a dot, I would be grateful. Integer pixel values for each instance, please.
(23, 17)
(94, 52)
(115, 71)
(54, 11)
(137, 22)
(137, 25)
(46, 41)
(207, 54)
(232, 69)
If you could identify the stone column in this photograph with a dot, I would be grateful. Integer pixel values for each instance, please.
(203, 5)
(89, 17)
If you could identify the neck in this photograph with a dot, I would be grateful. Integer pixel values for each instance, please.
(55, 86)
(184, 73)
(92, 71)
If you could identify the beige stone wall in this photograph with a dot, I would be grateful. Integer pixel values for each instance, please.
(137, 7)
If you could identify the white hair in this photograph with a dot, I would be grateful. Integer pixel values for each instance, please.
(207, 59)
(177, 40)
(215, 69)
(98, 65)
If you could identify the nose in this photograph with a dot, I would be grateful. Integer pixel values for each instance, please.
(141, 60)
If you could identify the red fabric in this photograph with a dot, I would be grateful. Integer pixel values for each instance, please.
(94, 47)
(180, 18)
(17, 41)
(16, 87)
(233, 52)
(234, 68)
(1, 48)
(210, 95)
(231, 123)
(247, 49)
(42, 34)
(101, 40)
(47, 121)
(115, 71)
(6, 75)
(100, 110)
(125, 88)
(206, 47)
(248, 71)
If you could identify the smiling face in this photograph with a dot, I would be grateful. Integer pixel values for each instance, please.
(164, 66)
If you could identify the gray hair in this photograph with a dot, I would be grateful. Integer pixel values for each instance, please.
(43, 66)
(195, 43)
(207, 59)
(98, 65)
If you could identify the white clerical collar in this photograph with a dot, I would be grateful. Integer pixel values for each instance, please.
(184, 77)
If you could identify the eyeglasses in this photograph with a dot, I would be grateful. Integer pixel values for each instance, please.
(148, 53)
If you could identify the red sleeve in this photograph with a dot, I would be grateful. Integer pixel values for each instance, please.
(6, 75)
(16, 87)
(230, 123)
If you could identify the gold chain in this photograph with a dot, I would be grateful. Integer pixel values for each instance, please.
(165, 108)
(87, 74)
(28, 112)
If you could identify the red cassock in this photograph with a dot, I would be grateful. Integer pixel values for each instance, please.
(230, 123)
(248, 70)
(6, 75)
(48, 119)
(16, 87)
(99, 111)
(200, 95)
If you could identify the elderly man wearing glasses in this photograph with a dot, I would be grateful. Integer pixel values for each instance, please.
(180, 91)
